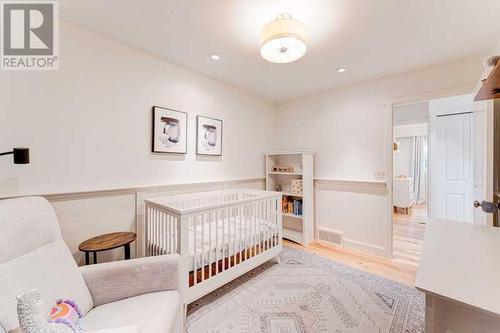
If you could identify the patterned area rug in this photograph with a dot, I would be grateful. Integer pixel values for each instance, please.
(307, 293)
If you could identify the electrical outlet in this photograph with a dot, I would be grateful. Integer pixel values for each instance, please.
(380, 175)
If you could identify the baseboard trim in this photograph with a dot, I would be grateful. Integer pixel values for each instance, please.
(365, 247)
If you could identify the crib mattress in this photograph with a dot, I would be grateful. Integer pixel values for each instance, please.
(222, 239)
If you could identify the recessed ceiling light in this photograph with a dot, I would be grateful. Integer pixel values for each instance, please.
(341, 69)
(214, 56)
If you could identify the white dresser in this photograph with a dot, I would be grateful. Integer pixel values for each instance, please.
(459, 273)
(402, 192)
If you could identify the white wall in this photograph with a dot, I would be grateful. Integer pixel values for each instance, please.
(411, 113)
(88, 125)
(349, 130)
(403, 159)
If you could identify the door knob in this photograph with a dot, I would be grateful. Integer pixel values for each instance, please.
(486, 206)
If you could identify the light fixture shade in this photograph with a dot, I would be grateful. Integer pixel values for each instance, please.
(283, 40)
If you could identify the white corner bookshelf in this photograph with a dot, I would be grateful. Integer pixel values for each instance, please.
(298, 165)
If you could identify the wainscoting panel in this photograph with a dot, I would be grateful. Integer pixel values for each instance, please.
(357, 209)
(87, 214)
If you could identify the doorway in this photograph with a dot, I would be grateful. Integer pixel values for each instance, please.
(435, 169)
(410, 180)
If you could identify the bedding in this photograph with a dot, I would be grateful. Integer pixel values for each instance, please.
(220, 239)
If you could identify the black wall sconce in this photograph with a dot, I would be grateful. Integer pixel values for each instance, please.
(21, 155)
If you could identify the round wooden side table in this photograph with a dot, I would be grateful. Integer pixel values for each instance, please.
(107, 242)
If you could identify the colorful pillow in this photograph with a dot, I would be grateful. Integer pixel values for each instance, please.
(64, 317)
(66, 312)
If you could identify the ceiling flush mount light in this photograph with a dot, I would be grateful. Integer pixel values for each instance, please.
(283, 40)
(214, 56)
(341, 70)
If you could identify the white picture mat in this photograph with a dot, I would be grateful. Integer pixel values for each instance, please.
(161, 142)
(202, 146)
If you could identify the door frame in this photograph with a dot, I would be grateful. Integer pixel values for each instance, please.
(388, 111)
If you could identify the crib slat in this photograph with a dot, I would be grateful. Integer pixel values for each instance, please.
(170, 234)
(158, 232)
(169, 237)
(249, 228)
(240, 217)
(168, 242)
(223, 240)
(152, 229)
(267, 224)
(162, 232)
(245, 238)
(195, 261)
(275, 221)
(173, 233)
(261, 226)
(176, 232)
(155, 231)
(264, 225)
(202, 218)
(217, 249)
(164, 222)
(210, 229)
(146, 231)
(257, 229)
(254, 237)
(233, 223)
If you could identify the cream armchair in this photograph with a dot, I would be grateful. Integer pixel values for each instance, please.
(138, 295)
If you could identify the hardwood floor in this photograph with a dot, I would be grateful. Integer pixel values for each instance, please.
(384, 267)
(408, 236)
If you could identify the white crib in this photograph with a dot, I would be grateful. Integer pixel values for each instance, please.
(220, 234)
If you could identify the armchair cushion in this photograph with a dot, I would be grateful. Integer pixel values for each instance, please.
(127, 278)
(153, 313)
(33, 255)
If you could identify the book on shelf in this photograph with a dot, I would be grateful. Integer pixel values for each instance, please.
(292, 206)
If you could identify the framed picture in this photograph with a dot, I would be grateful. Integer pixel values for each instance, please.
(208, 136)
(169, 131)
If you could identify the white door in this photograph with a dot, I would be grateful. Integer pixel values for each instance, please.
(451, 167)
(482, 148)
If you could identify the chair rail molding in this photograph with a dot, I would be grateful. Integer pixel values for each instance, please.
(61, 196)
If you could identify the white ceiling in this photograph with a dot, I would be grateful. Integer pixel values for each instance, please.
(372, 38)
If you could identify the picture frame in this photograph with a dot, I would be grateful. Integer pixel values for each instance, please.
(208, 136)
(169, 131)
